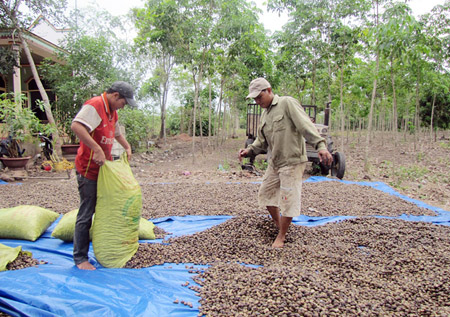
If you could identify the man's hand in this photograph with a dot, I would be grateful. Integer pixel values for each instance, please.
(242, 153)
(99, 157)
(82, 133)
(122, 141)
(128, 150)
(325, 157)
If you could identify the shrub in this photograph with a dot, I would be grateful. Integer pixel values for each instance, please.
(137, 124)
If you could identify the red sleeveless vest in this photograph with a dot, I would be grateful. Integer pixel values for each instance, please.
(103, 135)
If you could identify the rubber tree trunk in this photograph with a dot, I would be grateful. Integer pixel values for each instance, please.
(44, 96)
(432, 117)
(394, 103)
(341, 96)
(369, 124)
(167, 65)
(209, 110)
(219, 108)
(416, 115)
(372, 102)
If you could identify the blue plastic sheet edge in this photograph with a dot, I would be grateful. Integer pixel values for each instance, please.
(442, 216)
(59, 289)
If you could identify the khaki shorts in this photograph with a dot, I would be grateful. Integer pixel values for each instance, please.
(283, 188)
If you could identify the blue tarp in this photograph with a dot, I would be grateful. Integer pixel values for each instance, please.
(442, 218)
(59, 289)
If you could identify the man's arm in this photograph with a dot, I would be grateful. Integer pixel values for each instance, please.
(83, 134)
(304, 124)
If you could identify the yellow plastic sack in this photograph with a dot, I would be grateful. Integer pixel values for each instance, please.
(65, 228)
(8, 255)
(117, 213)
(146, 230)
(25, 222)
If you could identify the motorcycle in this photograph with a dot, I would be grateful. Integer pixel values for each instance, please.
(46, 146)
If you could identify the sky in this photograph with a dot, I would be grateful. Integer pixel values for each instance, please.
(272, 21)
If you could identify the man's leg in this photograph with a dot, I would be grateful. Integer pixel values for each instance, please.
(275, 214)
(284, 226)
(88, 199)
(269, 194)
(290, 202)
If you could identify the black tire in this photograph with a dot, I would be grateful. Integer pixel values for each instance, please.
(338, 165)
(324, 170)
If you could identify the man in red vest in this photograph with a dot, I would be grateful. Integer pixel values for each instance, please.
(96, 125)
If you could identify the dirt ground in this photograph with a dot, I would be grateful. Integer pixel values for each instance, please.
(419, 170)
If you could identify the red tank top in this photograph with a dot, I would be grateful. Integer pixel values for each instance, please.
(103, 134)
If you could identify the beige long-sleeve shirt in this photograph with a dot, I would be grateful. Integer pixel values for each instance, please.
(284, 127)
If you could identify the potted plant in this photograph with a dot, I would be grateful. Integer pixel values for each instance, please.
(18, 126)
(64, 120)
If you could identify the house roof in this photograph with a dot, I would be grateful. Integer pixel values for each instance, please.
(45, 29)
(43, 39)
(40, 47)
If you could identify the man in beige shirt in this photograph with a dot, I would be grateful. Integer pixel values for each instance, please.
(283, 129)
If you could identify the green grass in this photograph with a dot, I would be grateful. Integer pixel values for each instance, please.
(408, 173)
(400, 174)
(225, 166)
(411, 172)
(420, 156)
(261, 165)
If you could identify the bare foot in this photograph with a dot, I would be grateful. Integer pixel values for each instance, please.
(278, 243)
(86, 266)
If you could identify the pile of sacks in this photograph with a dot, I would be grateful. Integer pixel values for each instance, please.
(117, 223)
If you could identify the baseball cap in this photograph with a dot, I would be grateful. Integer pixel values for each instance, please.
(125, 90)
(256, 86)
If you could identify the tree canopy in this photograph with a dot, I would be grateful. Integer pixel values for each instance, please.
(201, 55)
